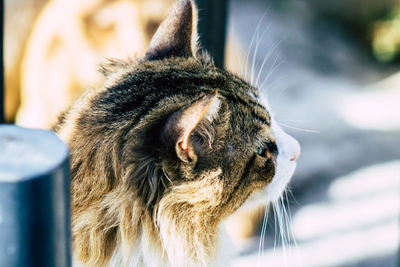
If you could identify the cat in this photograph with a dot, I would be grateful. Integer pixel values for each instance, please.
(167, 149)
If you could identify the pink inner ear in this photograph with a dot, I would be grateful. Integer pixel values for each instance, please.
(186, 155)
(180, 144)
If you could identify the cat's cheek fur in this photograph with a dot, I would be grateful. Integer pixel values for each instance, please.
(288, 152)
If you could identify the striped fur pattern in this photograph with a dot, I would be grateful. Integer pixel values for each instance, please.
(167, 149)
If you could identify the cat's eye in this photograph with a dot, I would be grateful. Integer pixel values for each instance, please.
(260, 151)
(263, 152)
(267, 150)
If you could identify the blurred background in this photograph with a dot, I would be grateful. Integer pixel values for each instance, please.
(330, 71)
(333, 73)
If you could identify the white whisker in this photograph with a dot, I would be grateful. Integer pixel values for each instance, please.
(270, 87)
(271, 96)
(246, 64)
(263, 231)
(287, 220)
(291, 120)
(254, 65)
(289, 192)
(274, 66)
(298, 256)
(267, 56)
(281, 229)
(275, 225)
(253, 60)
(299, 129)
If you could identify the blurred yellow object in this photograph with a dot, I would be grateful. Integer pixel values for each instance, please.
(386, 37)
(68, 41)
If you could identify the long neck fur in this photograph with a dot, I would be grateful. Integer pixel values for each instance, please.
(116, 227)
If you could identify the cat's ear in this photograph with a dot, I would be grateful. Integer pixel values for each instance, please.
(177, 34)
(182, 123)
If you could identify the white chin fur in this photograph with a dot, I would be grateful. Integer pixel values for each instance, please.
(288, 152)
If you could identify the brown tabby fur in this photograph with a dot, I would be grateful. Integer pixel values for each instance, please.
(163, 153)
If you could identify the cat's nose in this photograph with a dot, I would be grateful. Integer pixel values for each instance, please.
(290, 148)
(295, 148)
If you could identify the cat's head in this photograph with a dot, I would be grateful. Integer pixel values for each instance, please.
(224, 139)
(184, 130)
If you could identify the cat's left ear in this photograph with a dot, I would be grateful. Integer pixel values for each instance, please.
(182, 123)
(177, 34)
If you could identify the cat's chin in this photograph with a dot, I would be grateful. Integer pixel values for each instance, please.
(273, 190)
(278, 184)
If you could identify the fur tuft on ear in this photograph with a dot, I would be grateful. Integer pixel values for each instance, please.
(182, 123)
(177, 34)
(110, 66)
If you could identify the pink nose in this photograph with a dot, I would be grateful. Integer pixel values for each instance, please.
(296, 149)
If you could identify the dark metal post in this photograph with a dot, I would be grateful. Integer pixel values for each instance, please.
(212, 27)
(34, 199)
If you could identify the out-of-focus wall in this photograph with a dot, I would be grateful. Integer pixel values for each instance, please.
(19, 17)
(54, 54)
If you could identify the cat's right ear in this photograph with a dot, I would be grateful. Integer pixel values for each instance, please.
(177, 34)
(181, 125)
